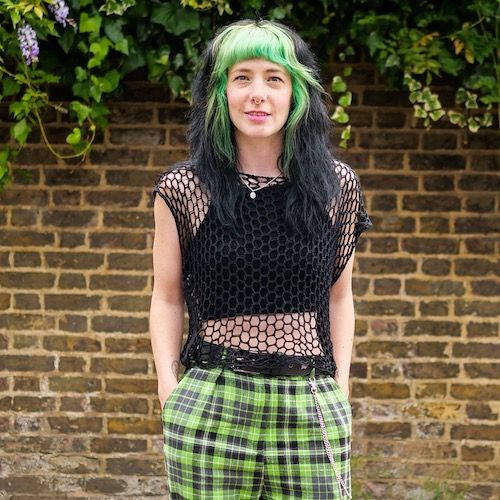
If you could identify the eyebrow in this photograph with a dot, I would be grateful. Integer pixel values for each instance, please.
(247, 70)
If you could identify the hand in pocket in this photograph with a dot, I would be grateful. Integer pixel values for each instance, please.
(165, 393)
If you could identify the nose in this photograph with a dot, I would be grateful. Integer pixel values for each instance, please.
(257, 91)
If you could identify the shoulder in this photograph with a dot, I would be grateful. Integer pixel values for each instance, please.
(180, 179)
(348, 178)
(177, 176)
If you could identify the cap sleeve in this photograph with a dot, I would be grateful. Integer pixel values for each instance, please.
(352, 221)
(167, 186)
(172, 187)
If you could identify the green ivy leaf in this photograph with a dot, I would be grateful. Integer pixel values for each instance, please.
(74, 137)
(116, 7)
(20, 131)
(106, 83)
(175, 84)
(392, 61)
(460, 95)
(436, 115)
(81, 111)
(375, 42)
(66, 40)
(415, 96)
(90, 24)
(473, 124)
(338, 84)
(95, 92)
(346, 99)
(345, 136)
(419, 111)
(486, 120)
(346, 133)
(113, 29)
(4, 156)
(281, 12)
(81, 74)
(457, 118)
(122, 46)
(347, 71)
(340, 116)
(100, 50)
(135, 60)
(471, 102)
(18, 109)
(10, 87)
(175, 19)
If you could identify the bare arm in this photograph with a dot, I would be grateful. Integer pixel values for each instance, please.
(166, 317)
(342, 322)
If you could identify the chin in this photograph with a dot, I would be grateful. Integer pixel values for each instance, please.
(258, 134)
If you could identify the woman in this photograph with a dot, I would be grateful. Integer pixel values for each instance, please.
(256, 233)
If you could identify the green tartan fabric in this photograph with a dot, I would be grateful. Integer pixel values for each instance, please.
(230, 435)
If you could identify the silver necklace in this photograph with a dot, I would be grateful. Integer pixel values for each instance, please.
(253, 190)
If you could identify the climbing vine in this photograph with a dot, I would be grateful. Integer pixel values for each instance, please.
(91, 47)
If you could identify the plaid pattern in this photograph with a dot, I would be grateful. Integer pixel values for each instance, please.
(230, 435)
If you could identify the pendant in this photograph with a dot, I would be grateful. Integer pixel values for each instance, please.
(252, 195)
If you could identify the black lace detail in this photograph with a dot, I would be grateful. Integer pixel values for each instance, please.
(262, 296)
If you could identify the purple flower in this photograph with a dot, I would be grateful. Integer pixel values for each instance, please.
(28, 43)
(60, 11)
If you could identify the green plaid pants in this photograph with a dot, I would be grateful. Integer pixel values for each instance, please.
(230, 435)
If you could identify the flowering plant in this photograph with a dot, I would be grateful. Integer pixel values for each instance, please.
(91, 47)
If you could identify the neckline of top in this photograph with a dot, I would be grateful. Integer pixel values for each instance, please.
(265, 177)
(262, 176)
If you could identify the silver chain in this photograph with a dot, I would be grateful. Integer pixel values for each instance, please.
(314, 389)
(252, 193)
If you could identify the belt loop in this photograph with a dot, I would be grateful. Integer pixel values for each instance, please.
(312, 380)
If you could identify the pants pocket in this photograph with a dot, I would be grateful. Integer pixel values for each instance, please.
(338, 391)
(337, 415)
(174, 392)
(193, 394)
(338, 410)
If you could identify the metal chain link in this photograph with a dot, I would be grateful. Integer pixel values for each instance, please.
(314, 388)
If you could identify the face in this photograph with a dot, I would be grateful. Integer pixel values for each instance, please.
(259, 95)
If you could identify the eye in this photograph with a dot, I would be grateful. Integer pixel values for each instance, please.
(239, 76)
(276, 79)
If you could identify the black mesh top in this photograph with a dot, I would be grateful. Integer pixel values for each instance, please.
(262, 297)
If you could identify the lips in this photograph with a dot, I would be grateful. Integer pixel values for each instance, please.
(257, 113)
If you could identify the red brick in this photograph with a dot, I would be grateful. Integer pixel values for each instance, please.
(74, 384)
(141, 466)
(384, 390)
(71, 343)
(75, 424)
(388, 429)
(15, 363)
(470, 431)
(105, 485)
(475, 391)
(118, 445)
(131, 386)
(477, 453)
(127, 366)
(132, 425)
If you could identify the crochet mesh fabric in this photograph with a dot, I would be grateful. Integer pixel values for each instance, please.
(260, 298)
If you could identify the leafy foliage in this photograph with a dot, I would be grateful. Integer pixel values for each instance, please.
(412, 43)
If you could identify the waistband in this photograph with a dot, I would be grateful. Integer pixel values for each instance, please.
(255, 363)
(278, 370)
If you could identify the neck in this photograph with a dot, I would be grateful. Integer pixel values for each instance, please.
(259, 156)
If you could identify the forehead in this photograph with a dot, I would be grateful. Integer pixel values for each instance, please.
(257, 64)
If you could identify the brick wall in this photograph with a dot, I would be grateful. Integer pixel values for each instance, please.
(78, 410)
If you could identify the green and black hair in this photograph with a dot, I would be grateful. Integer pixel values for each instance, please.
(306, 160)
